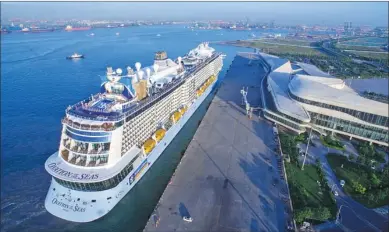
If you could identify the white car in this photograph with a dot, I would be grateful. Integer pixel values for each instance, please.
(187, 219)
(336, 193)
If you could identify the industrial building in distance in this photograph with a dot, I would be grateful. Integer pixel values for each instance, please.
(300, 96)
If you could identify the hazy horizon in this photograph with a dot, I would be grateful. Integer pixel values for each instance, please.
(309, 13)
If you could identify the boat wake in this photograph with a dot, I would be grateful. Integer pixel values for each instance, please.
(38, 55)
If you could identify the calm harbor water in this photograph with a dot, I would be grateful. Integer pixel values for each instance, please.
(38, 83)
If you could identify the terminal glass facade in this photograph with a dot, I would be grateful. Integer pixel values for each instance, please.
(286, 122)
(366, 131)
(367, 117)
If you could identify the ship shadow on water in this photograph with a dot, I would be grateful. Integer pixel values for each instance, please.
(134, 210)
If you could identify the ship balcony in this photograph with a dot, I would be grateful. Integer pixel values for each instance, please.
(84, 160)
(85, 148)
(85, 151)
(101, 127)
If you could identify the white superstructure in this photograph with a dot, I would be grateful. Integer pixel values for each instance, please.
(111, 139)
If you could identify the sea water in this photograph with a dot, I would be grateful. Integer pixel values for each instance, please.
(38, 83)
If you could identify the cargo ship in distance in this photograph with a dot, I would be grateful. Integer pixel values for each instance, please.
(110, 140)
(36, 30)
(71, 28)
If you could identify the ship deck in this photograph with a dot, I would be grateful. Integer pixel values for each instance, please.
(224, 181)
(102, 113)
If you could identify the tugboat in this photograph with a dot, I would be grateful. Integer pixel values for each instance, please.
(75, 56)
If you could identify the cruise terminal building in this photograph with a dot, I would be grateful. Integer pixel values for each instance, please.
(300, 96)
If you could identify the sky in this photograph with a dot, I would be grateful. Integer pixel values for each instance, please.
(309, 13)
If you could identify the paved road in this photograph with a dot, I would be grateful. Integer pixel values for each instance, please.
(366, 51)
(224, 181)
(355, 216)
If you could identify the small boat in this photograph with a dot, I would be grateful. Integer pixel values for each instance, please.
(75, 56)
(117, 33)
(92, 34)
(158, 35)
(187, 219)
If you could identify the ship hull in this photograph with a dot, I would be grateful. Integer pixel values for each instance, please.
(77, 206)
(75, 58)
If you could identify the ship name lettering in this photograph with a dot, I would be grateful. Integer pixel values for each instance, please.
(66, 206)
(61, 172)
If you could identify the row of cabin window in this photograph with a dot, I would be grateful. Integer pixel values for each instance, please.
(99, 186)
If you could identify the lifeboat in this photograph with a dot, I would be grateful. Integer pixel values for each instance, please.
(199, 92)
(159, 134)
(183, 110)
(149, 145)
(176, 116)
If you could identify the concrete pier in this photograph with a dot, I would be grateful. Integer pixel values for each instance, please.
(228, 178)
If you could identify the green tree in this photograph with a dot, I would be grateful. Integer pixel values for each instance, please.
(301, 215)
(351, 157)
(358, 188)
(361, 159)
(366, 161)
(382, 194)
(379, 156)
(375, 180)
(371, 197)
(322, 214)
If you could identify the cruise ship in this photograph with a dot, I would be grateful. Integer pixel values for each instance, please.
(111, 139)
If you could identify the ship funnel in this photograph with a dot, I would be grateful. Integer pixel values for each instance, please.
(179, 59)
(119, 71)
(148, 72)
(155, 67)
(137, 66)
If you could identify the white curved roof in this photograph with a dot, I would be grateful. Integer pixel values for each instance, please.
(325, 90)
(313, 70)
(278, 81)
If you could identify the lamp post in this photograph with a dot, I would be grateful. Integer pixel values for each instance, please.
(306, 150)
(309, 140)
